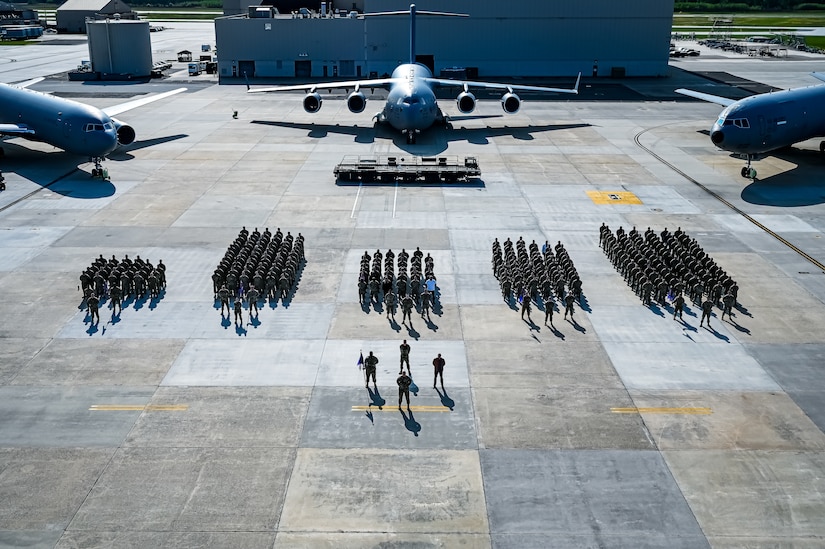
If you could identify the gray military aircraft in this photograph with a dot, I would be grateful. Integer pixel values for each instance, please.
(75, 127)
(411, 104)
(766, 122)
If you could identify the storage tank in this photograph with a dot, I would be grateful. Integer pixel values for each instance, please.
(120, 47)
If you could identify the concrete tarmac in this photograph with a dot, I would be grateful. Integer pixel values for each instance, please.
(170, 426)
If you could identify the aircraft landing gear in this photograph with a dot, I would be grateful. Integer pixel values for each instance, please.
(99, 172)
(410, 137)
(822, 146)
(747, 172)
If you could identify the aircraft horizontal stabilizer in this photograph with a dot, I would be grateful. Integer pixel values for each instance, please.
(724, 101)
(123, 107)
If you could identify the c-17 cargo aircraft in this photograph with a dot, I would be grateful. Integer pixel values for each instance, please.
(759, 124)
(411, 105)
(75, 127)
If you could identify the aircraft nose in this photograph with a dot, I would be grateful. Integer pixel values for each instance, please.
(717, 137)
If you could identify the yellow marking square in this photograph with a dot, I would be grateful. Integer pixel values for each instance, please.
(603, 198)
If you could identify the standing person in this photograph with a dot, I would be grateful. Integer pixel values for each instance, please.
(116, 294)
(425, 304)
(370, 364)
(438, 370)
(389, 303)
(569, 300)
(93, 302)
(404, 381)
(707, 307)
(548, 312)
(678, 306)
(238, 311)
(405, 355)
(223, 294)
(253, 295)
(727, 303)
(525, 306)
(406, 308)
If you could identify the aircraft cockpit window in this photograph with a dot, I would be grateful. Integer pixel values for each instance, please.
(94, 127)
(107, 126)
(411, 100)
(729, 122)
(741, 123)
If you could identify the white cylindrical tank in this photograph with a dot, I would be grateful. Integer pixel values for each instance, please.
(118, 46)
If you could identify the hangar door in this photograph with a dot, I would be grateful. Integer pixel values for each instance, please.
(246, 68)
(303, 68)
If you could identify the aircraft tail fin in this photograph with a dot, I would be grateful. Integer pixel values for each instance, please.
(412, 12)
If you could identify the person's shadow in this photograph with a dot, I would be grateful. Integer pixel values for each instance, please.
(446, 401)
(413, 333)
(413, 387)
(225, 322)
(376, 399)
(410, 423)
(240, 330)
(253, 320)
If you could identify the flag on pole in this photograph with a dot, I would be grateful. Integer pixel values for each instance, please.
(361, 361)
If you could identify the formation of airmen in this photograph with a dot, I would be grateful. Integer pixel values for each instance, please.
(416, 290)
(656, 266)
(119, 280)
(258, 266)
(528, 274)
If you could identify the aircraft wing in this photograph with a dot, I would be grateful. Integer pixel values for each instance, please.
(497, 86)
(15, 129)
(27, 83)
(123, 107)
(724, 101)
(373, 83)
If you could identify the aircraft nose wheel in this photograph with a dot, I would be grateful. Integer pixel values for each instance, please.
(748, 172)
(822, 146)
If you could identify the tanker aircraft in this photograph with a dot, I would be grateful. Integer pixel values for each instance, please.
(411, 104)
(75, 127)
(759, 124)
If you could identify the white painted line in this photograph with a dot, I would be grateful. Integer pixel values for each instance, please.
(395, 200)
(355, 204)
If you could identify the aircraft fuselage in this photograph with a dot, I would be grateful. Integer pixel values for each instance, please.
(411, 104)
(74, 127)
(770, 121)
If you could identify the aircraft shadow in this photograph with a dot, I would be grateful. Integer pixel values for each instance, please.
(799, 186)
(55, 170)
(430, 142)
(122, 153)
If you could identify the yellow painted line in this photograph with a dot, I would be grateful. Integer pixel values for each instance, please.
(394, 407)
(602, 198)
(139, 408)
(690, 411)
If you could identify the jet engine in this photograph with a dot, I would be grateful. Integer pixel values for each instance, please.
(312, 102)
(356, 102)
(466, 102)
(125, 133)
(510, 102)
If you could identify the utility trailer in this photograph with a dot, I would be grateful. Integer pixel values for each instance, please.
(407, 169)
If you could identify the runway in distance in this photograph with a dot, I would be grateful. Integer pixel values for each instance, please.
(411, 105)
(759, 124)
(74, 127)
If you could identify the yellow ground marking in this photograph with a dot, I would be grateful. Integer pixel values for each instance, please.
(390, 407)
(139, 408)
(602, 198)
(689, 411)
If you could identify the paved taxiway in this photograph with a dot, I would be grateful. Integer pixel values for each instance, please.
(208, 435)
